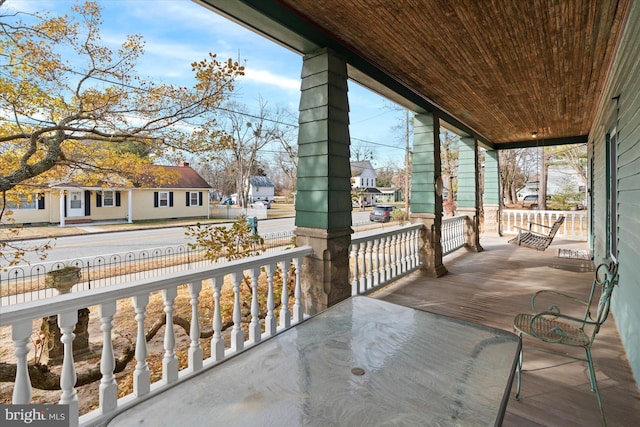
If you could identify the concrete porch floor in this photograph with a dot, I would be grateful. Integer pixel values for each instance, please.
(490, 288)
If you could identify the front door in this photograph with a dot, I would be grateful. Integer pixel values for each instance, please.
(76, 204)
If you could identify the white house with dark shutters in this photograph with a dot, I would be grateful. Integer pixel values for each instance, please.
(187, 196)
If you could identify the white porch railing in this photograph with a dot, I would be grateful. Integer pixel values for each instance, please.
(377, 259)
(21, 318)
(574, 227)
(452, 236)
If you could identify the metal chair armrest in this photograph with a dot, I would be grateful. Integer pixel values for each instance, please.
(555, 308)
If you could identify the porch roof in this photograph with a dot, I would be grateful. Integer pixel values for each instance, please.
(492, 69)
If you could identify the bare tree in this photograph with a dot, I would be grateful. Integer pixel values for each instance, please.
(249, 134)
(512, 177)
(450, 148)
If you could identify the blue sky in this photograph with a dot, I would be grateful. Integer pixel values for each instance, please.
(178, 32)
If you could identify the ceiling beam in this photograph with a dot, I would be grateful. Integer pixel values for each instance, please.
(542, 142)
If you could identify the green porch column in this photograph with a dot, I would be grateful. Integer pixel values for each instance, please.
(323, 200)
(426, 202)
(468, 201)
(491, 196)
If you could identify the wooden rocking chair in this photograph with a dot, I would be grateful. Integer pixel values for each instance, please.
(552, 326)
(531, 239)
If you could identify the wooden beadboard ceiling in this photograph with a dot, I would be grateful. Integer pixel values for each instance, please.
(502, 68)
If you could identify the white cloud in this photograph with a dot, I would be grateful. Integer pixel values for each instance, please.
(267, 77)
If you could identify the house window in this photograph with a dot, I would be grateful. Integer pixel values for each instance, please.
(163, 199)
(108, 198)
(26, 203)
(193, 199)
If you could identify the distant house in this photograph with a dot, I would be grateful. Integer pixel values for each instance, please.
(261, 188)
(363, 183)
(70, 203)
(389, 195)
(560, 178)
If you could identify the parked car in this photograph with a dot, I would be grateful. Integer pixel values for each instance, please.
(531, 201)
(381, 213)
(227, 202)
(262, 204)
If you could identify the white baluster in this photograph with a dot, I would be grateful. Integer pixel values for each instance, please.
(270, 323)
(298, 313)
(354, 260)
(285, 316)
(169, 361)
(255, 329)
(397, 256)
(369, 263)
(217, 341)
(108, 389)
(362, 280)
(376, 262)
(387, 258)
(403, 251)
(237, 336)
(416, 247)
(141, 374)
(195, 349)
(67, 322)
(21, 335)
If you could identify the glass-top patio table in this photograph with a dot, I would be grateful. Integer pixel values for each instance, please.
(362, 362)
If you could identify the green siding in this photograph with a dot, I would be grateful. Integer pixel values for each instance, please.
(624, 114)
(324, 175)
(425, 165)
(491, 178)
(467, 174)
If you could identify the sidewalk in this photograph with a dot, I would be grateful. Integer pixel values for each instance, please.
(54, 230)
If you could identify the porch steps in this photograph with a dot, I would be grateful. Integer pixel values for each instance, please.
(78, 221)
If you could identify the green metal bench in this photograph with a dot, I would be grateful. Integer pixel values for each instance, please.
(531, 239)
(552, 326)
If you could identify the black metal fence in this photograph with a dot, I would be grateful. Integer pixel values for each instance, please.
(27, 283)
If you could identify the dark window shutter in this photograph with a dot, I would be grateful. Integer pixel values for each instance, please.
(155, 199)
(118, 202)
(65, 205)
(87, 203)
(188, 198)
(170, 198)
(41, 201)
(98, 200)
(200, 198)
